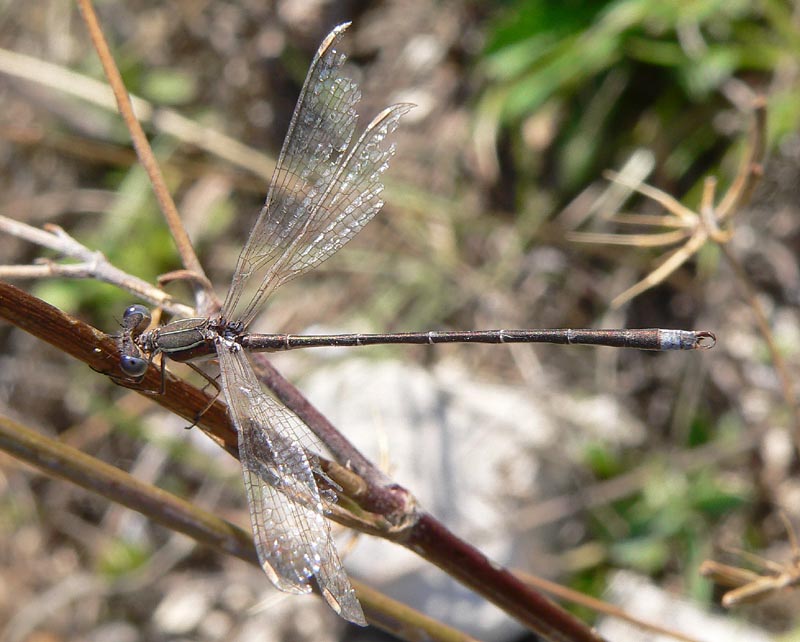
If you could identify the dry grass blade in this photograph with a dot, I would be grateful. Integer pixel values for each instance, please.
(600, 606)
(751, 586)
(68, 463)
(696, 229)
(161, 119)
(205, 299)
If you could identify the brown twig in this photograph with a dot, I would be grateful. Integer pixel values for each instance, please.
(205, 299)
(381, 495)
(101, 353)
(751, 169)
(426, 536)
(420, 532)
(91, 264)
(431, 540)
(65, 462)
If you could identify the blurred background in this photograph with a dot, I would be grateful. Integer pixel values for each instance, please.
(592, 467)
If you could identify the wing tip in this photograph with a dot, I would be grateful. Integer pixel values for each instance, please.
(346, 605)
(332, 37)
(395, 111)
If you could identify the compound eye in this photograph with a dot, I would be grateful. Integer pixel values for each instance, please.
(136, 318)
(133, 366)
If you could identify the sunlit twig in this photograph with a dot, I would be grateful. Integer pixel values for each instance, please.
(91, 264)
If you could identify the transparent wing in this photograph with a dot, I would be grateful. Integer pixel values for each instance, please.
(324, 189)
(292, 537)
(350, 201)
(320, 131)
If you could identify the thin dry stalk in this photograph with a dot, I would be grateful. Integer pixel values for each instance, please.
(65, 462)
(600, 606)
(91, 264)
(697, 228)
(751, 586)
(205, 299)
(782, 370)
(694, 228)
(419, 531)
(161, 119)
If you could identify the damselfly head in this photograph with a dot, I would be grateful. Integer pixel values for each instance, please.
(133, 366)
(134, 321)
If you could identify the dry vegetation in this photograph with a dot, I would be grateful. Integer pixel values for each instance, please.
(494, 170)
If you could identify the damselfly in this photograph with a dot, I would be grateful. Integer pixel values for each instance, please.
(325, 188)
